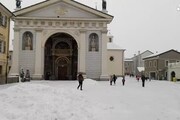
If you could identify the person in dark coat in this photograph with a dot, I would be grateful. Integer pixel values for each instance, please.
(123, 81)
(111, 80)
(27, 76)
(143, 80)
(114, 79)
(80, 79)
(22, 75)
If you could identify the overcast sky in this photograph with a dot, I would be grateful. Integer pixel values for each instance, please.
(138, 25)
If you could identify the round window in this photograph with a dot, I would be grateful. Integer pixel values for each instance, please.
(111, 58)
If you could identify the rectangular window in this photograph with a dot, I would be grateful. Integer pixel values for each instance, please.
(150, 64)
(155, 63)
(2, 46)
(3, 20)
(166, 64)
(0, 69)
(110, 40)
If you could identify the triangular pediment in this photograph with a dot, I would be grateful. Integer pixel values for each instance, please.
(62, 9)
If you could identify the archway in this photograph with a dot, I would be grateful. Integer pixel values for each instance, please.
(61, 57)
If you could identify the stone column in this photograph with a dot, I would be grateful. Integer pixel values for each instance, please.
(38, 59)
(15, 58)
(104, 73)
(82, 52)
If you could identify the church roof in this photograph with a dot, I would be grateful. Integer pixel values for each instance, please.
(5, 9)
(70, 2)
(113, 46)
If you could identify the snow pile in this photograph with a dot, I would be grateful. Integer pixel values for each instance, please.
(61, 100)
(90, 82)
(29, 101)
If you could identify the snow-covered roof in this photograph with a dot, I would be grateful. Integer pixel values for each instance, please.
(158, 54)
(113, 46)
(128, 59)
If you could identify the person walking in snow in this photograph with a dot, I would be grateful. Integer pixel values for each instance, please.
(111, 80)
(123, 81)
(22, 75)
(80, 80)
(143, 80)
(114, 79)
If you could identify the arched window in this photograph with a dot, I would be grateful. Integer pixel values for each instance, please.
(27, 41)
(93, 42)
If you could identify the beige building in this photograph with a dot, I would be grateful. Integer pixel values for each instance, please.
(62, 38)
(5, 15)
(115, 58)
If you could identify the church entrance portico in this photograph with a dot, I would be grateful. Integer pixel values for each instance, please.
(61, 57)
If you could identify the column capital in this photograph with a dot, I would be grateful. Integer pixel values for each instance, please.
(82, 30)
(104, 31)
(39, 29)
(16, 29)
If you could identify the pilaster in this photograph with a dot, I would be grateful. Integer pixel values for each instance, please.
(104, 73)
(14, 72)
(38, 58)
(82, 52)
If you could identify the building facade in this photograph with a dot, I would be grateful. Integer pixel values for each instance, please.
(173, 71)
(128, 66)
(115, 58)
(156, 65)
(5, 15)
(138, 61)
(61, 38)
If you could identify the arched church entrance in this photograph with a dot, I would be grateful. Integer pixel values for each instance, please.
(61, 55)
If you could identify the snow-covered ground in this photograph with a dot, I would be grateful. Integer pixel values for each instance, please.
(60, 100)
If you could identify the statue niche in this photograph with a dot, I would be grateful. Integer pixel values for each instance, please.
(93, 42)
(27, 43)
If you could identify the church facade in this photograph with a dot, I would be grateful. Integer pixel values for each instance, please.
(60, 38)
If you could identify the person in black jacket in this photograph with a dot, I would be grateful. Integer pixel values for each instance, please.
(143, 80)
(114, 79)
(123, 81)
(80, 79)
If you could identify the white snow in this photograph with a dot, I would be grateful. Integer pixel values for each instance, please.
(60, 100)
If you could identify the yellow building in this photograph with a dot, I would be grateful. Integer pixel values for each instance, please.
(5, 15)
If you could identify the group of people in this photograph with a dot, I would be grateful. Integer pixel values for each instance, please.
(113, 80)
(24, 77)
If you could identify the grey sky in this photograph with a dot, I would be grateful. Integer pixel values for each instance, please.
(138, 25)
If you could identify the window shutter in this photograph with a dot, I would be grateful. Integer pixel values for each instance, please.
(1, 18)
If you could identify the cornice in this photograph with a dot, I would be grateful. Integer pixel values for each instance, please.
(60, 19)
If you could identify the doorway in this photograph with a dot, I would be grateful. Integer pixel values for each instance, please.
(61, 57)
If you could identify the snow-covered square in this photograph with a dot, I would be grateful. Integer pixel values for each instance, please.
(60, 100)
